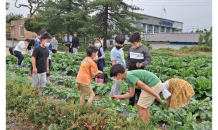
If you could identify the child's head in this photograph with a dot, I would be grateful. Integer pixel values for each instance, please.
(32, 42)
(92, 51)
(119, 40)
(53, 36)
(135, 39)
(41, 32)
(46, 39)
(97, 42)
(75, 34)
(27, 41)
(118, 72)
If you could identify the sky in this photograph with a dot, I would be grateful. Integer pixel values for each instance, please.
(193, 13)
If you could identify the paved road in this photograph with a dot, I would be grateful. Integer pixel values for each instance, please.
(9, 43)
(164, 45)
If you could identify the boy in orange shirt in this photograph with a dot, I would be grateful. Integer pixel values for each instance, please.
(88, 69)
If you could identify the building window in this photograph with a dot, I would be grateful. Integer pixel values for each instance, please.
(168, 30)
(21, 30)
(155, 29)
(143, 26)
(173, 29)
(162, 29)
(149, 28)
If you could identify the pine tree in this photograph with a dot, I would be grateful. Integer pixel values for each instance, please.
(64, 16)
(114, 15)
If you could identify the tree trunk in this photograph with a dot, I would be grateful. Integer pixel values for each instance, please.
(67, 36)
(105, 27)
(85, 40)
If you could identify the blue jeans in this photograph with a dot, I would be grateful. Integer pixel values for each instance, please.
(20, 57)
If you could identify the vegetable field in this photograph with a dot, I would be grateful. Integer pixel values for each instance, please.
(59, 107)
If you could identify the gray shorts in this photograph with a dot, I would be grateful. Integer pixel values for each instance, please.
(38, 79)
(75, 50)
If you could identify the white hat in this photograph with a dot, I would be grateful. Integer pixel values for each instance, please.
(165, 91)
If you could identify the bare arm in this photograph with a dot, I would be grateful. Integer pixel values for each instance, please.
(146, 88)
(149, 90)
(47, 63)
(129, 94)
(34, 62)
(96, 73)
(168, 102)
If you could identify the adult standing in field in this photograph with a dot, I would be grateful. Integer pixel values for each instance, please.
(40, 63)
(138, 58)
(18, 50)
(178, 93)
(54, 44)
(75, 43)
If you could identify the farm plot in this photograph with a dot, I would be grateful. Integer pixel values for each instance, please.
(196, 70)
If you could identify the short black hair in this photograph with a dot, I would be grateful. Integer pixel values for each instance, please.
(120, 39)
(53, 35)
(28, 40)
(42, 31)
(135, 37)
(32, 42)
(117, 68)
(64, 42)
(91, 49)
(46, 36)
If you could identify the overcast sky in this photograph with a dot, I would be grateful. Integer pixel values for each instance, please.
(193, 13)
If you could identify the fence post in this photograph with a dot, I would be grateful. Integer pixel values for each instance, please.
(13, 36)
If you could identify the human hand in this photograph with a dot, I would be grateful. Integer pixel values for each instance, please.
(159, 99)
(78, 47)
(35, 70)
(47, 70)
(99, 73)
(138, 65)
(116, 97)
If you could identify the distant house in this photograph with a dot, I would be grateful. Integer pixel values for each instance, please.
(175, 38)
(20, 33)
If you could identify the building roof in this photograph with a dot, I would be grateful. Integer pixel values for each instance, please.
(174, 37)
(159, 18)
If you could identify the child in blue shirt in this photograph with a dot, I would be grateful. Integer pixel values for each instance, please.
(100, 60)
(117, 57)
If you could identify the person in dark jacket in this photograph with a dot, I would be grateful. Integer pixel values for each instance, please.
(75, 44)
(138, 58)
(68, 46)
(100, 60)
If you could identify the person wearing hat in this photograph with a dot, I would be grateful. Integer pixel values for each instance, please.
(178, 92)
